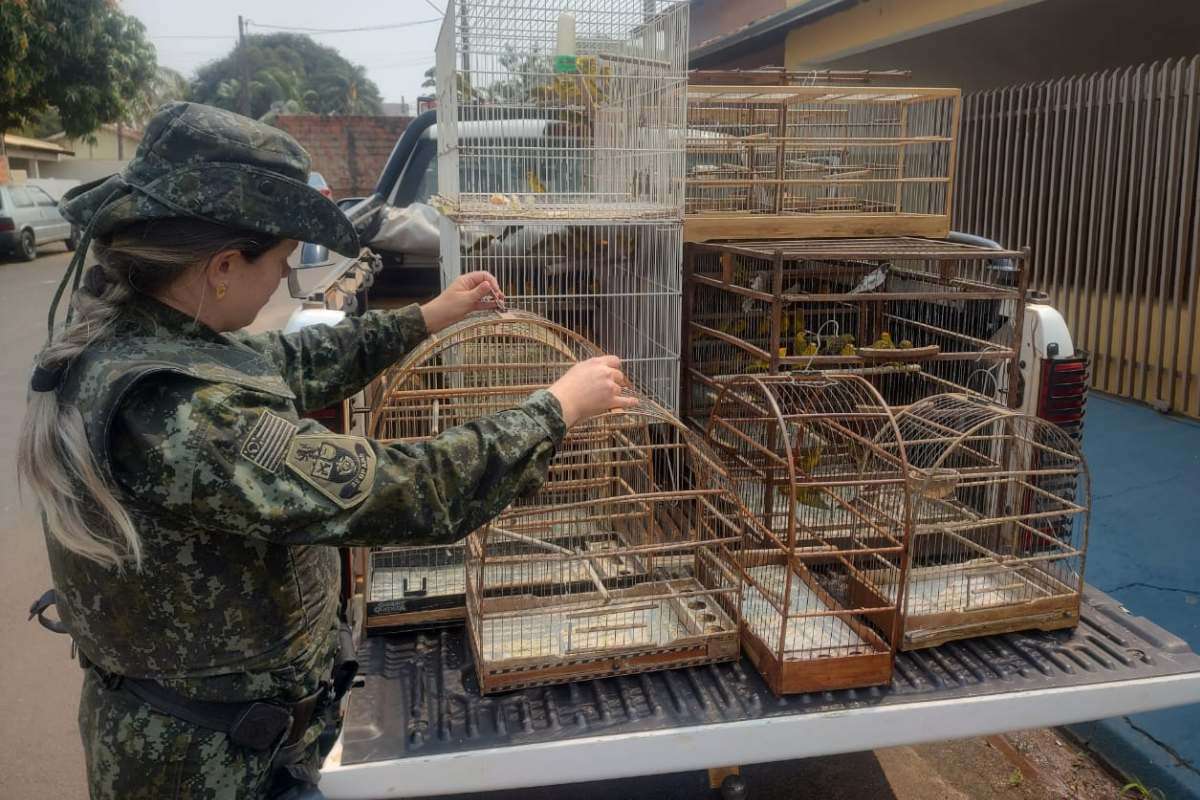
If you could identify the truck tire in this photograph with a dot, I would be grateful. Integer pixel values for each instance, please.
(734, 788)
(27, 246)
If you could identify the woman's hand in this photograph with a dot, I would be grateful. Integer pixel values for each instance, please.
(474, 291)
(591, 387)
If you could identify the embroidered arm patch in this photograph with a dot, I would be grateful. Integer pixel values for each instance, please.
(268, 441)
(340, 467)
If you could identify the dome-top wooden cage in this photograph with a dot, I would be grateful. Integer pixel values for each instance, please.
(824, 563)
(483, 365)
(619, 564)
(1000, 520)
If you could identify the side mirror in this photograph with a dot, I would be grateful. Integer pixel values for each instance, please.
(313, 255)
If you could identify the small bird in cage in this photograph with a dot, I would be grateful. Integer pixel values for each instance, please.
(884, 342)
(534, 182)
(906, 344)
(840, 345)
(803, 347)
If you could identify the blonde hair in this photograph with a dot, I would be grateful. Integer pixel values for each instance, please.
(82, 512)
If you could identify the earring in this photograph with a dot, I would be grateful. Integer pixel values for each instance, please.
(221, 289)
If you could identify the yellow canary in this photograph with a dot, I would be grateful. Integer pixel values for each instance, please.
(757, 365)
(812, 498)
(806, 459)
(535, 183)
(906, 344)
(783, 354)
(884, 342)
(738, 328)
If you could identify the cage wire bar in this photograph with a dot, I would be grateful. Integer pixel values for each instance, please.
(483, 365)
(605, 118)
(790, 161)
(1000, 511)
(619, 564)
(823, 566)
(618, 285)
(915, 317)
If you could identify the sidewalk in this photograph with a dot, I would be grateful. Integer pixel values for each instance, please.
(1145, 552)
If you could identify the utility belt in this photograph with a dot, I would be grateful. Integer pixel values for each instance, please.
(260, 725)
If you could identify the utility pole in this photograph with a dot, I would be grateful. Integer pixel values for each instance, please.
(244, 94)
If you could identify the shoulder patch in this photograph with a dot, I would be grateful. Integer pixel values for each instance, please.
(340, 467)
(268, 441)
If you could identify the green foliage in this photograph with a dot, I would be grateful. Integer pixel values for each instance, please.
(82, 57)
(289, 73)
(1137, 789)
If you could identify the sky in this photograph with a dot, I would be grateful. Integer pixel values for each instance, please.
(189, 33)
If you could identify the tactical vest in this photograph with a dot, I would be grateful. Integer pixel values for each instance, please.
(204, 603)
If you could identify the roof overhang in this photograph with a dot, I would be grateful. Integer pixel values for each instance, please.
(775, 25)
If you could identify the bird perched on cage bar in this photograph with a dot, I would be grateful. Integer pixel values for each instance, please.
(884, 342)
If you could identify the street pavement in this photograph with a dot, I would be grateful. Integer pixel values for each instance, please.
(40, 755)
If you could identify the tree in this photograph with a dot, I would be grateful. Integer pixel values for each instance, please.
(83, 58)
(288, 73)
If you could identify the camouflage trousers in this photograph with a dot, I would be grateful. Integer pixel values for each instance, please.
(134, 752)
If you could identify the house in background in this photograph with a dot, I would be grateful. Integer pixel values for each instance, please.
(108, 151)
(973, 44)
(34, 158)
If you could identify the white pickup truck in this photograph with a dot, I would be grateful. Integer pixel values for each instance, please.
(416, 724)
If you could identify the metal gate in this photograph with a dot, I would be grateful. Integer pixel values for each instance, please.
(1098, 175)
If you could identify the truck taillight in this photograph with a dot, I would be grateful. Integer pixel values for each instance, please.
(331, 417)
(6, 225)
(1063, 393)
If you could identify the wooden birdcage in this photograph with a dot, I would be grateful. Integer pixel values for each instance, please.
(819, 161)
(823, 563)
(485, 364)
(1000, 510)
(619, 564)
(914, 316)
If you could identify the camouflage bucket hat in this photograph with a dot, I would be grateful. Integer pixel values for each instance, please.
(204, 162)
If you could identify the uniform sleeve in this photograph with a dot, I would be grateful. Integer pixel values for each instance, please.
(230, 460)
(324, 364)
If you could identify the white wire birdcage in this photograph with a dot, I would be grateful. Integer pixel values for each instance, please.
(483, 365)
(562, 108)
(1000, 508)
(619, 564)
(617, 284)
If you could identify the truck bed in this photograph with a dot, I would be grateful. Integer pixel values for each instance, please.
(417, 725)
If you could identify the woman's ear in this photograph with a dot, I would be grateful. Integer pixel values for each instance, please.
(219, 271)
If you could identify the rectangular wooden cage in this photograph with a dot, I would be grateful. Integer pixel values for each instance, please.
(819, 161)
(483, 365)
(914, 316)
(619, 564)
(824, 561)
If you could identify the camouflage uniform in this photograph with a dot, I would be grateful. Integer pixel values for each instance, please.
(239, 503)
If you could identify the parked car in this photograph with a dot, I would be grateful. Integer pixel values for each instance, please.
(29, 218)
(317, 181)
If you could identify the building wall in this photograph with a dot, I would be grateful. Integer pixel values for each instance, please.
(104, 148)
(1047, 40)
(83, 169)
(349, 151)
(870, 25)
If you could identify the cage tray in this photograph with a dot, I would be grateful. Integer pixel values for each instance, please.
(637, 631)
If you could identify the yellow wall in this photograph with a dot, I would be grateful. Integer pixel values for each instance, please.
(874, 23)
(105, 148)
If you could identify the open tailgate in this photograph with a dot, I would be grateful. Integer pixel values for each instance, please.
(418, 726)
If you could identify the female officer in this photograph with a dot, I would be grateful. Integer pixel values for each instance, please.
(191, 514)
